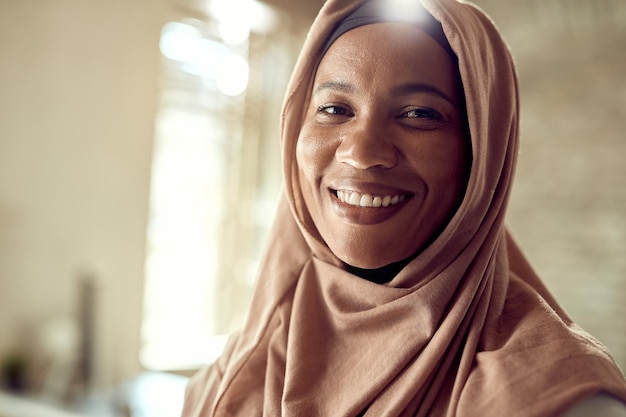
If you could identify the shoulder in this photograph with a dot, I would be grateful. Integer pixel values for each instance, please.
(600, 404)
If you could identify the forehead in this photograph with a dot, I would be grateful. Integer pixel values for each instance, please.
(388, 51)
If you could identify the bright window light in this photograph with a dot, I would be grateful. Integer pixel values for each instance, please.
(198, 280)
(185, 44)
(184, 222)
(232, 78)
(195, 152)
(239, 17)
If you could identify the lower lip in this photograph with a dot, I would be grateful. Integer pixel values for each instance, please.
(365, 215)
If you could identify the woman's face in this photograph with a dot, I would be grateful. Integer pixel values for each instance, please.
(382, 155)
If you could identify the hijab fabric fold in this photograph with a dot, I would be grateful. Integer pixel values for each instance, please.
(465, 329)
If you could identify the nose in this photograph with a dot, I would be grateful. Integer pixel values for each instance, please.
(365, 146)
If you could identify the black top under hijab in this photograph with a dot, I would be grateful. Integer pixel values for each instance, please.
(380, 275)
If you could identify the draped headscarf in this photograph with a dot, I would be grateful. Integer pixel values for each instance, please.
(465, 329)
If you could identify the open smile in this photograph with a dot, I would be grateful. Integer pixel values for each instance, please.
(367, 209)
(354, 198)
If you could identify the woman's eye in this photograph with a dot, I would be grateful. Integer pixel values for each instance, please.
(333, 110)
(423, 113)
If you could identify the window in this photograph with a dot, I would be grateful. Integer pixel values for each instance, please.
(215, 179)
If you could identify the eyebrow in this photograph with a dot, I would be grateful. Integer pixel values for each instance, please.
(411, 88)
(335, 85)
(397, 91)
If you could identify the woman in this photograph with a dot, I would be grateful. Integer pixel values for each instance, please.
(391, 286)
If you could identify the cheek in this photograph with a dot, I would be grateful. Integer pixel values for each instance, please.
(306, 158)
(444, 165)
(313, 155)
(454, 153)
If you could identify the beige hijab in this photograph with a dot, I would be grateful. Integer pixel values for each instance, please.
(465, 329)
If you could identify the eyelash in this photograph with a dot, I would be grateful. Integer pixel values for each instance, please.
(338, 110)
(425, 113)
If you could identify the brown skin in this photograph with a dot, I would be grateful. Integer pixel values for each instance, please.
(385, 118)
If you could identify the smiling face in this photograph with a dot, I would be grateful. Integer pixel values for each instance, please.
(382, 155)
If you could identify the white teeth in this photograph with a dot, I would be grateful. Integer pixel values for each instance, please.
(369, 200)
(366, 200)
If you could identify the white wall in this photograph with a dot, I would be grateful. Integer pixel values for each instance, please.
(78, 89)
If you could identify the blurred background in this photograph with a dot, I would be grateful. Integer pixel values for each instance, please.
(140, 167)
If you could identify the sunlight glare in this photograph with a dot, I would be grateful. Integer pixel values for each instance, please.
(186, 44)
(232, 78)
(238, 17)
(402, 10)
